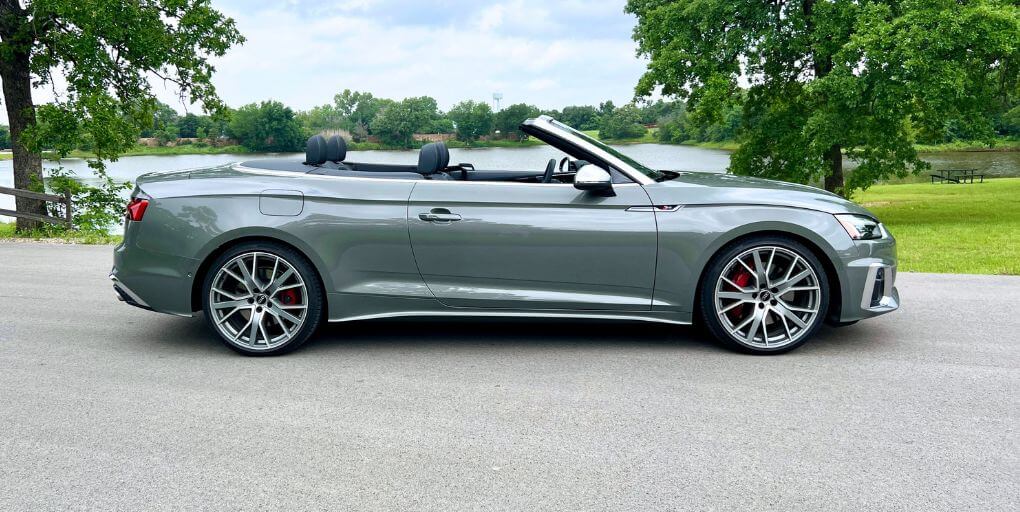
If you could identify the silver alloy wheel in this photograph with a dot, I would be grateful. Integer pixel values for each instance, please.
(767, 297)
(258, 301)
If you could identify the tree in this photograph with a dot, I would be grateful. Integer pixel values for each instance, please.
(187, 126)
(323, 118)
(168, 133)
(105, 52)
(397, 122)
(5, 137)
(442, 125)
(583, 117)
(622, 123)
(830, 78)
(472, 118)
(508, 120)
(606, 108)
(551, 112)
(358, 108)
(654, 111)
(267, 126)
(163, 115)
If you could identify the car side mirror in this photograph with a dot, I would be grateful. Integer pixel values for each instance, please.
(593, 179)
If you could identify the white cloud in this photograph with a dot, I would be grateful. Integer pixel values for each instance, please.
(550, 54)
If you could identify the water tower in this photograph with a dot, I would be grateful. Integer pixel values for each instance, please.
(496, 98)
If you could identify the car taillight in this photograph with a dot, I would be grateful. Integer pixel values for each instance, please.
(136, 208)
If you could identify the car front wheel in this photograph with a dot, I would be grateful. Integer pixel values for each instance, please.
(764, 295)
(262, 298)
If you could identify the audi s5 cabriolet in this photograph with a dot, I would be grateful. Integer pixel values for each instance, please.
(269, 249)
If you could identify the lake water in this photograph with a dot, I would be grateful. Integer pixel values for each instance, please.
(657, 156)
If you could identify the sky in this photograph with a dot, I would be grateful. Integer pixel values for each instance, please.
(549, 53)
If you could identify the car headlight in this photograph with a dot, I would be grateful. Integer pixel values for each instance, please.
(860, 227)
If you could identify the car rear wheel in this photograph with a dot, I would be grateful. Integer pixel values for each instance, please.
(764, 295)
(262, 298)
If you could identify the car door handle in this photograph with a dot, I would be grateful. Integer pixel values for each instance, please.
(439, 215)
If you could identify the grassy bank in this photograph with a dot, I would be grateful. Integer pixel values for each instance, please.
(1001, 144)
(650, 137)
(187, 149)
(7, 233)
(971, 229)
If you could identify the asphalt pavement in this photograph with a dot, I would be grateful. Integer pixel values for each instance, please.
(105, 406)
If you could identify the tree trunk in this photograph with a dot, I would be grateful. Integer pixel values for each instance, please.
(834, 159)
(822, 66)
(17, 87)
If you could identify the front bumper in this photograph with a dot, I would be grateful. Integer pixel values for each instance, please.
(870, 286)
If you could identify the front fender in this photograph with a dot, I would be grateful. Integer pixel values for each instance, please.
(691, 236)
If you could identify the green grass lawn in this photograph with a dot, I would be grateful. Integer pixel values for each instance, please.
(70, 237)
(650, 137)
(970, 229)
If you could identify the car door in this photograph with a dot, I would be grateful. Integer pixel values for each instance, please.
(534, 246)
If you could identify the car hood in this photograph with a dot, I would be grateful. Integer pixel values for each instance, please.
(703, 188)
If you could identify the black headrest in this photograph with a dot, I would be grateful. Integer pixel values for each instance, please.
(444, 154)
(315, 150)
(433, 157)
(336, 149)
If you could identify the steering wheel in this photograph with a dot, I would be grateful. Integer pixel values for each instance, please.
(563, 162)
(549, 169)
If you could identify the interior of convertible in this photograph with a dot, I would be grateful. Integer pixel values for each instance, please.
(329, 157)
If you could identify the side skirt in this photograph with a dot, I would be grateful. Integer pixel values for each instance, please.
(519, 314)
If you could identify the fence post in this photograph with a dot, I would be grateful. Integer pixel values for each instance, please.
(67, 208)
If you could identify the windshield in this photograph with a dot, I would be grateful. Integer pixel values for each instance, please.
(651, 173)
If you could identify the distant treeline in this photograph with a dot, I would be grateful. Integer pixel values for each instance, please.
(362, 117)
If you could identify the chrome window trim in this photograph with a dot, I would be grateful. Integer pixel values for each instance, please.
(293, 174)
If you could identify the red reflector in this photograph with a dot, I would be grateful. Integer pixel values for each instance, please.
(136, 209)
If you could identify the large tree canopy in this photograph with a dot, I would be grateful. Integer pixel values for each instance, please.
(397, 122)
(828, 78)
(508, 120)
(99, 57)
(267, 126)
(473, 119)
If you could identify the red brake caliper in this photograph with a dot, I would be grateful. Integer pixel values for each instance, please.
(742, 278)
(289, 297)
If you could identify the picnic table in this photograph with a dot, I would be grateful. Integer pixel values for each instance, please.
(957, 176)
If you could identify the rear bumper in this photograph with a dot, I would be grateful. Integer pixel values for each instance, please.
(124, 294)
(154, 281)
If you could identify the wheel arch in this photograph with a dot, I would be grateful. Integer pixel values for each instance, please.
(827, 258)
(225, 242)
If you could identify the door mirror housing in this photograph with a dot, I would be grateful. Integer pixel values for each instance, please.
(593, 179)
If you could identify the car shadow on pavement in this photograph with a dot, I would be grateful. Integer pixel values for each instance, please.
(429, 334)
(445, 334)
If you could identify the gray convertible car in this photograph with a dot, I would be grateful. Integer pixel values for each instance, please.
(269, 249)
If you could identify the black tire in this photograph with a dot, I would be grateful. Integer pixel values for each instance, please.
(315, 295)
(707, 310)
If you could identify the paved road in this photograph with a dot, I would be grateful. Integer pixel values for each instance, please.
(103, 406)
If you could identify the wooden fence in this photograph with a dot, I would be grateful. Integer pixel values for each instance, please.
(50, 198)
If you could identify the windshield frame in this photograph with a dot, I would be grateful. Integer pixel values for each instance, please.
(638, 166)
(571, 141)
